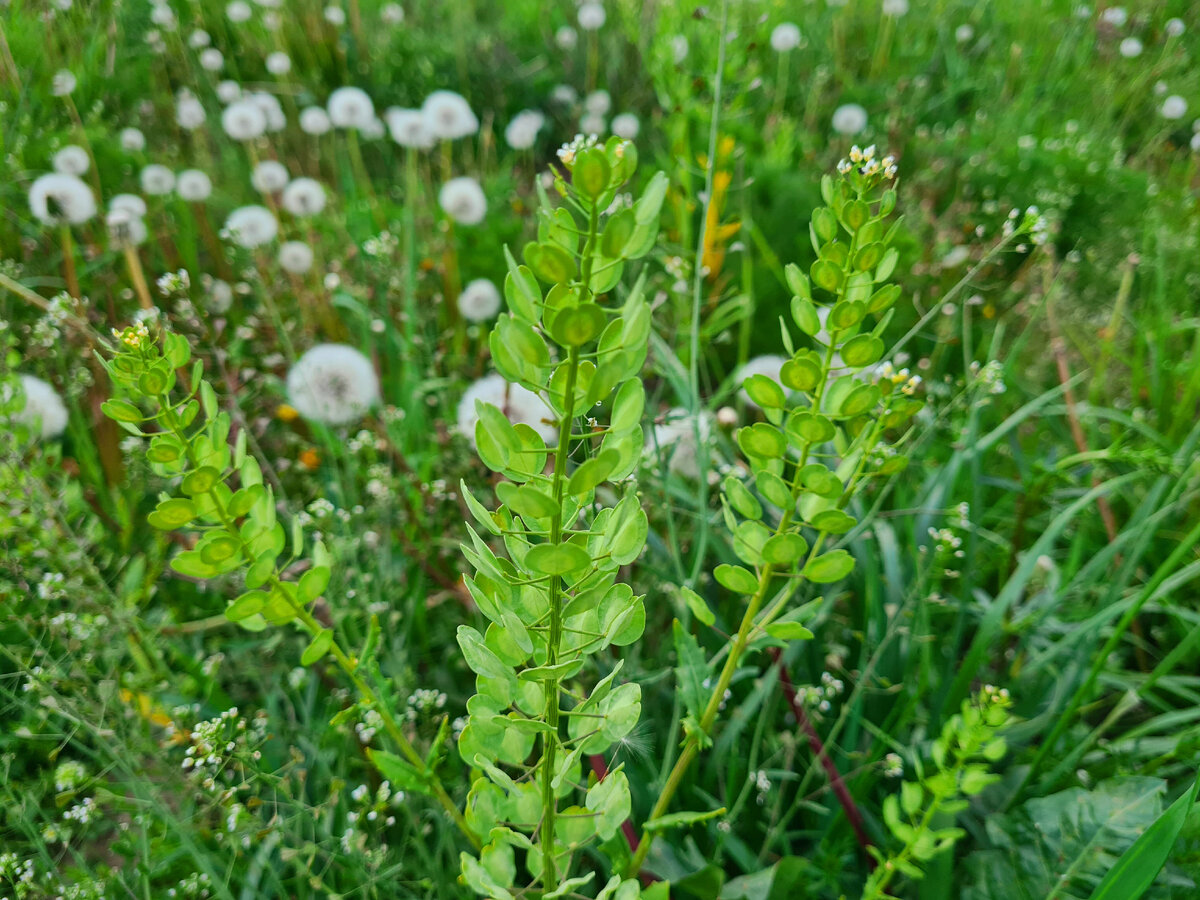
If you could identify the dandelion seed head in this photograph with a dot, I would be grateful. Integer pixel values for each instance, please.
(333, 383)
(238, 11)
(1174, 107)
(785, 36)
(56, 199)
(463, 200)
(592, 16)
(193, 185)
(479, 300)
(522, 131)
(212, 59)
(228, 91)
(408, 128)
(189, 111)
(156, 180)
(252, 226)
(314, 120)
(295, 257)
(448, 116)
(517, 403)
(278, 63)
(71, 160)
(243, 120)
(42, 410)
(63, 83)
(269, 177)
(132, 140)
(626, 125)
(303, 197)
(392, 14)
(849, 119)
(131, 203)
(350, 107)
(566, 37)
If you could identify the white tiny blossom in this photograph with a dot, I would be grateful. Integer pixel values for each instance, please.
(333, 383)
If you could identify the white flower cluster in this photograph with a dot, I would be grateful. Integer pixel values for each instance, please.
(867, 164)
(989, 377)
(1032, 222)
(424, 702)
(907, 382)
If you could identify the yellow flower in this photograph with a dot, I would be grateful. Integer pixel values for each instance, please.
(285, 413)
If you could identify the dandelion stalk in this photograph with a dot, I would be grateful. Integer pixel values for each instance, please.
(137, 276)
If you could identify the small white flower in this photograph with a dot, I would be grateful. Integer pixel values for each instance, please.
(522, 131)
(785, 36)
(63, 83)
(193, 185)
(243, 120)
(463, 200)
(333, 383)
(849, 119)
(1174, 107)
(448, 116)
(279, 63)
(516, 402)
(295, 257)
(71, 160)
(303, 197)
(408, 128)
(251, 226)
(219, 297)
(132, 140)
(157, 180)
(212, 59)
(314, 120)
(269, 177)
(479, 300)
(43, 409)
(626, 125)
(56, 199)
(350, 107)
(591, 16)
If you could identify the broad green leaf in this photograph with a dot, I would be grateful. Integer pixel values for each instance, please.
(317, 648)
(736, 579)
(789, 631)
(829, 567)
(681, 819)
(557, 559)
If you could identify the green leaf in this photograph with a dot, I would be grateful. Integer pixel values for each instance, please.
(610, 799)
(826, 275)
(479, 656)
(698, 606)
(628, 405)
(741, 499)
(762, 440)
(765, 392)
(248, 604)
(550, 263)
(804, 313)
(789, 631)
(592, 472)
(521, 290)
(200, 481)
(172, 514)
(402, 774)
(862, 350)
(784, 550)
(1138, 866)
(557, 559)
(736, 578)
(317, 648)
(829, 567)
(575, 326)
(313, 583)
(590, 173)
(121, 411)
(681, 819)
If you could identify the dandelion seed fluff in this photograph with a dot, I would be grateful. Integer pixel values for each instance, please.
(212, 59)
(1174, 27)
(189, 111)
(279, 63)
(517, 403)
(43, 410)
(295, 257)
(849, 119)
(314, 121)
(251, 226)
(193, 185)
(303, 197)
(785, 36)
(131, 203)
(591, 16)
(333, 383)
(56, 199)
(408, 128)
(564, 94)
(1174, 107)
(675, 439)
(626, 125)
(156, 180)
(1115, 16)
(132, 140)
(63, 83)
(335, 15)
(350, 107)
(269, 176)
(125, 229)
(463, 200)
(268, 104)
(392, 14)
(598, 103)
(479, 300)
(71, 160)
(238, 11)
(243, 120)
(219, 297)
(964, 33)
(229, 91)
(522, 131)
(566, 38)
(449, 116)
(592, 123)
(1195, 142)
(895, 8)
(1130, 48)
(768, 364)
(199, 39)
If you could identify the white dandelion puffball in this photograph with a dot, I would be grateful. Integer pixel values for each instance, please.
(350, 107)
(238, 11)
(964, 33)
(314, 121)
(335, 15)
(392, 14)
(522, 131)
(675, 438)
(479, 300)
(332, 383)
(894, 7)
(243, 120)
(679, 48)
(212, 59)
(1195, 142)
(295, 257)
(229, 91)
(199, 38)
(71, 160)
(564, 94)
(279, 63)
(463, 200)
(519, 404)
(251, 226)
(189, 111)
(193, 185)
(62, 83)
(131, 203)
(598, 103)
(1174, 107)
(219, 297)
(132, 140)
(303, 197)
(268, 105)
(59, 199)
(156, 180)
(849, 118)
(125, 229)
(1115, 15)
(591, 16)
(566, 38)
(373, 130)
(449, 116)
(408, 128)
(626, 125)
(592, 123)
(43, 411)
(785, 36)
(769, 364)
(269, 176)
(1130, 48)
(1174, 27)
